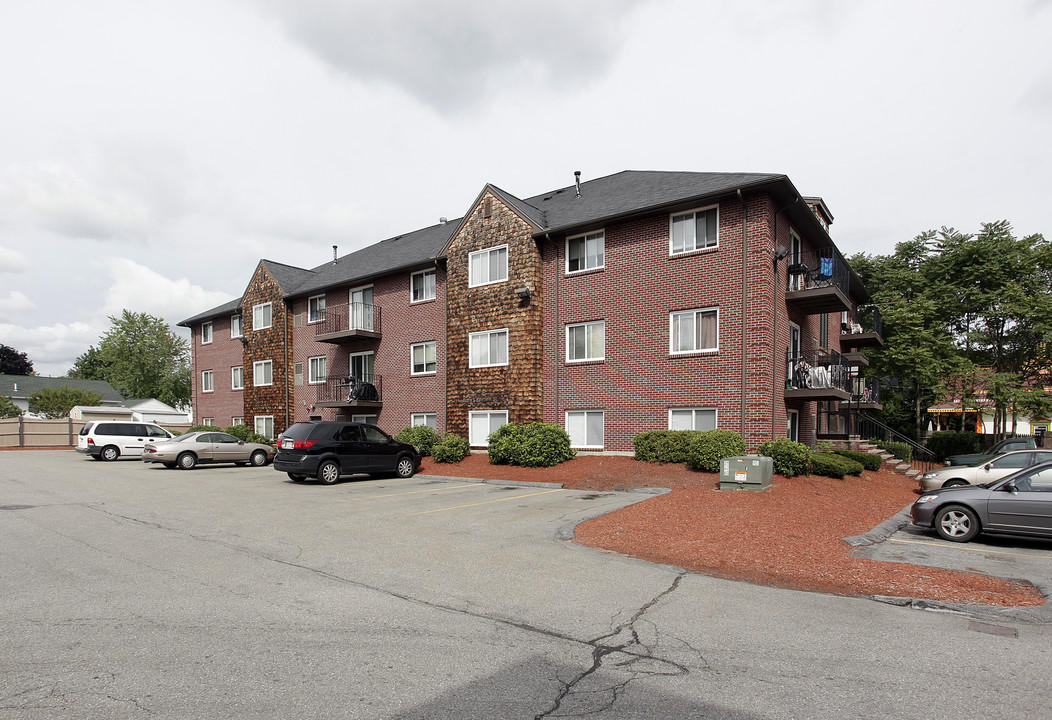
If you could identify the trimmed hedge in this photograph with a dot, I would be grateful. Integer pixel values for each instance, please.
(899, 449)
(790, 457)
(834, 465)
(708, 448)
(945, 444)
(450, 449)
(869, 460)
(423, 437)
(665, 446)
(241, 432)
(533, 444)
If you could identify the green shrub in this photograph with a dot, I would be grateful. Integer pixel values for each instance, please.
(450, 449)
(423, 437)
(790, 457)
(707, 449)
(834, 465)
(529, 445)
(244, 432)
(899, 449)
(869, 460)
(945, 444)
(667, 446)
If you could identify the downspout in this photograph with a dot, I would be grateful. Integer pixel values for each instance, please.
(285, 342)
(744, 323)
(774, 338)
(558, 324)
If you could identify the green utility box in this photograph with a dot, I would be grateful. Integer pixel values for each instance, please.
(746, 472)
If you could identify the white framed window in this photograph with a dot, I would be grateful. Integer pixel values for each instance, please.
(367, 419)
(423, 286)
(235, 327)
(488, 266)
(694, 330)
(488, 348)
(206, 333)
(208, 421)
(586, 252)
(206, 381)
(262, 316)
(695, 230)
(425, 358)
(237, 378)
(482, 423)
(262, 373)
(237, 420)
(586, 341)
(316, 309)
(698, 418)
(429, 419)
(316, 370)
(585, 428)
(265, 425)
(792, 430)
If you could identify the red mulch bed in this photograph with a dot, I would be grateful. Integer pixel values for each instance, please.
(790, 535)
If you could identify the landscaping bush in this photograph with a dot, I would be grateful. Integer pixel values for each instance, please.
(450, 448)
(834, 465)
(668, 446)
(899, 449)
(244, 432)
(945, 444)
(530, 445)
(423, 437)
(790, 457)
(869, 460)
(708, 448)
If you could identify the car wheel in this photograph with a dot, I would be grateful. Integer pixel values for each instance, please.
(169, 465)
(954, 483)
(329, 472)
(956, 523)
(296, 477)
(405, 467)
(258, 459)
(187, 461)
(109, 453)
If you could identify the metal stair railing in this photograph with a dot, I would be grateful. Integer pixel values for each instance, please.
(869, 428)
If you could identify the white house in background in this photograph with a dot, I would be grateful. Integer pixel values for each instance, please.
(99, 413)
(155, 411)
(19, 388)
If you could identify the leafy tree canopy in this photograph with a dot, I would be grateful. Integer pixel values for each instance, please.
(13, 362)
(8, 409)
(56, 402)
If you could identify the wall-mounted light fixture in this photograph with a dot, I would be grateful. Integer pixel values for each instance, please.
(781, 253)
(523, 293)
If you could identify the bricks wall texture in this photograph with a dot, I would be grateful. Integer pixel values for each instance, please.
(223, 353)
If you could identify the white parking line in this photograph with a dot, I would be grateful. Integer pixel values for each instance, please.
(410, 492)
(984, 551)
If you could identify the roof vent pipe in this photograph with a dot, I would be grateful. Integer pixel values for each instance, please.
(334, 254)
(442, 221)
(577, 181)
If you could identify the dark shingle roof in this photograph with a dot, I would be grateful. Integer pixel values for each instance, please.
(227, 308)
(29, 384)
(288, 277)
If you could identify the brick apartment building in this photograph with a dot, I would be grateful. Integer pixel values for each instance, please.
(637, 301)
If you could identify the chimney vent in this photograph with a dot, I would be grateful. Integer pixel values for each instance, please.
(334, 254)
(442, 221)
(577, 181)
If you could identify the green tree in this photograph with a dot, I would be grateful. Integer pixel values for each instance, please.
(56, 402)
(88, 366)
(8, 409)
(141, 357)
(13, 362)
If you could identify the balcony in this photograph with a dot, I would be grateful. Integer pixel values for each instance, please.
(866, 329)
(865, 395)
(351, 391)
(817, 376)
(346, 323)
(818, 283)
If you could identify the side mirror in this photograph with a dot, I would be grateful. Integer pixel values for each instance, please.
(1010, 487)
(987, 466)
(240, 442)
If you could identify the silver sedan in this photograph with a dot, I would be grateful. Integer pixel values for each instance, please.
(983, 473)
(186, 451)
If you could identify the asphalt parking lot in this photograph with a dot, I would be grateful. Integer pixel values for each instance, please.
(131, 591)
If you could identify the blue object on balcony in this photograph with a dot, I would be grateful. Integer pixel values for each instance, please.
(827, 267)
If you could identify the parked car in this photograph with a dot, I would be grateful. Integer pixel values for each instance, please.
(1015, 443)
(186, 451)
(982, 473)
(329, 450)
(111, 439)
(1020, 504)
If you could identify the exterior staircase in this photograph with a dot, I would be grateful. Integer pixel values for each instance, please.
(888, 460)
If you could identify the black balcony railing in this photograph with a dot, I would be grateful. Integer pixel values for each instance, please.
(865, 391)
(867, 320)
(351, 389)
(350, 318)
(818, 269)
(817, 370)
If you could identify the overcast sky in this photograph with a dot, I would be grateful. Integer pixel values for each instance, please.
(152, 152)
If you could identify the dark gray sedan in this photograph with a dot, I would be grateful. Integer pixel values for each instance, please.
(1020, 504)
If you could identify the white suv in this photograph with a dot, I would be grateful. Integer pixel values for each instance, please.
(109, 439)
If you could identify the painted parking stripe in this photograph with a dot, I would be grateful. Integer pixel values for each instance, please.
(486, 502)
(358, 498)
(984, 551)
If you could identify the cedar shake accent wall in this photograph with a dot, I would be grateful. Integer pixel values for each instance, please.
(266, 344)
(517, 387)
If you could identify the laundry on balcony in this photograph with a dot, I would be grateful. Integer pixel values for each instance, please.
(359, 390)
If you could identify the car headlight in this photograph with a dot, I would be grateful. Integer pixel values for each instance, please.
(926, 499)
(929, 475)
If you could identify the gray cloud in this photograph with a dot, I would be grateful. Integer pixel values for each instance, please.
(456, 54)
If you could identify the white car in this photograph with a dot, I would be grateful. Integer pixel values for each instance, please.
(995, 469)
(111, 439)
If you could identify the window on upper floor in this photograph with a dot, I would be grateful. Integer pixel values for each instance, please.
(695, 230)
(206, 381)
(586, 341)
(206, 333)
(694, 330)
(316, 309)
(263, 373)
(423, 286)
(692, 419)
(425, 360)
(237, 378)
(262, 316)
(585, 252)
(585, 428)
(488, 266)
(316, 370)
(235, 326)
(488, 348)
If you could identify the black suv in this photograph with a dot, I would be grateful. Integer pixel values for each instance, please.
(327, 450)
